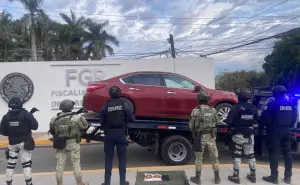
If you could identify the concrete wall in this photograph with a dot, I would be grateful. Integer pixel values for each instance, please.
(55, 81)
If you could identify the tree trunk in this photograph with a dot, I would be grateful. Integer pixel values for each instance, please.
(33, 40)
(5, 53)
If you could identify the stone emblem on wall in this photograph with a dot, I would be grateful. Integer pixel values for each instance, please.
(16, 84)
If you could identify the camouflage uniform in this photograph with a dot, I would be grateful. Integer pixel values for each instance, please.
(202, 123)
(72, 150)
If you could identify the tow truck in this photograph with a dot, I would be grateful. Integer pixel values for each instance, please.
(172, 139)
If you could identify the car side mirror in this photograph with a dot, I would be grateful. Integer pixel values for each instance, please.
(197, 88)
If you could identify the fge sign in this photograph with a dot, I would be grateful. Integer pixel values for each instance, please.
(84, 76)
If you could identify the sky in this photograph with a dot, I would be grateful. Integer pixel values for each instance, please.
(198, 26)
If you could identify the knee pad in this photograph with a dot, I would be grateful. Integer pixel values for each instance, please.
(27, 164)
(11, 165)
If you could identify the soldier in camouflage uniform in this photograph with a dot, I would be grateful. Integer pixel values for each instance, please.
(203, 125)
(240, 120)
(66, 129)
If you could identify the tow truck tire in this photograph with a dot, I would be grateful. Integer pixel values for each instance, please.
(129, 102)
(176, 150)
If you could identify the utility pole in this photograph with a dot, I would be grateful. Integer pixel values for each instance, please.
(171, 41)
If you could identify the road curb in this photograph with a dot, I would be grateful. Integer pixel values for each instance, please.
(38, 143)
(150, 168)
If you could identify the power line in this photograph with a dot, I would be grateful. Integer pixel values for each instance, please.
(253, 42)
(234, 25)
(250, 18)
(152, 17)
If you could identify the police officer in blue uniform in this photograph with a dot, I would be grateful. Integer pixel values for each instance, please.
(113, 117)
(278, 117)
(241, 120)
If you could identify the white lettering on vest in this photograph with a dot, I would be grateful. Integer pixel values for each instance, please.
(285, 108)
(115, 108)
(14, 123)
(247, 117)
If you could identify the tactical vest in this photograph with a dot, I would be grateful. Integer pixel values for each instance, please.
(64, 127)
(245, 116)
(205, 119)
(244, 122)
(281, 114)
(17, 126)
(115, 117)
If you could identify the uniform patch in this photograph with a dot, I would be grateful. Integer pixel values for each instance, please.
(208, 114)
(14, 123)
(115, 108)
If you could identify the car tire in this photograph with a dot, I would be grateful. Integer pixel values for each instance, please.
(129, 102)
(223, 106)
(184, 154)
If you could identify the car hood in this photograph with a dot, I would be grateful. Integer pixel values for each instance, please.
(225, 94)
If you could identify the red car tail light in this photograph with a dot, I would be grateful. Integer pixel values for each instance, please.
(92, 88)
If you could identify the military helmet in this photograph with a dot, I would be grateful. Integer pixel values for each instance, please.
(115, 92)
(278, 90)
(203, 96)
(15, 103)
(243, 94)
(67, 105)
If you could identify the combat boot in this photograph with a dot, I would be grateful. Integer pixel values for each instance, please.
(217, 177)
(9, 182)
(80, 182)
(235, 177)
(196, 179)
(271, 179)
(288, 180)
(252, 176)
(83, 183)
(126, 183)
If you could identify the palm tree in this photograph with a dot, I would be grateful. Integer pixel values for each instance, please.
(71, 35)
(97, 40)
(33, 6)
(5, 36)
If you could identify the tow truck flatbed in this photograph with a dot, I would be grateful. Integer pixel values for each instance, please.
(172, 139)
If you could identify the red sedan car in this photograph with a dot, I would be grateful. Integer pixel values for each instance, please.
(157, 95)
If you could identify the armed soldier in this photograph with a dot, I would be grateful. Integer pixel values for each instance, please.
(66, 129)
(203, 125)
(113, 117)
(278, 116)
(240, 120)
(17, 125)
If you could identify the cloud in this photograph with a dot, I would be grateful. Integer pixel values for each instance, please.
(201, 26)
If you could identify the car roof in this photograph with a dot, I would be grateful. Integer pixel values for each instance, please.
(162, 72)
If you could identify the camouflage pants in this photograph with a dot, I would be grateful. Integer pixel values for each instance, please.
(207, 140)
(14, 151)
(243, 144)
(72, 151)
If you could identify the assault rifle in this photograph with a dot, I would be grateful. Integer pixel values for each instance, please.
(33, 110)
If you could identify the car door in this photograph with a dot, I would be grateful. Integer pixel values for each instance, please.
(181, 97)
(146, 91)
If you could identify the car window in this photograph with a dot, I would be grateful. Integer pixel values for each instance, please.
(127, 79)
(146, 79)
(174, 81)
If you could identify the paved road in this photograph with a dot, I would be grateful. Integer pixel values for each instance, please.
(92, 157)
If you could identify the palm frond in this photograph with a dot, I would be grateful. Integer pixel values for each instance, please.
(66, 18)
(109, 49)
